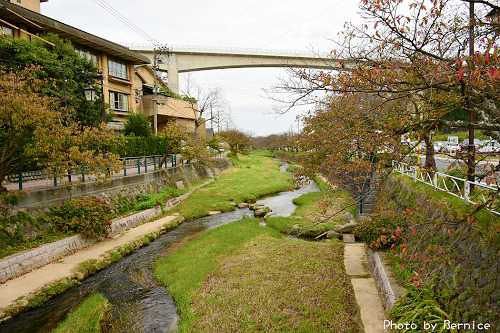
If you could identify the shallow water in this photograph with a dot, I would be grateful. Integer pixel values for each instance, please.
(281, 203)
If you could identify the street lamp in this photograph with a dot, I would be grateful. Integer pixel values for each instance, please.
(90, 93)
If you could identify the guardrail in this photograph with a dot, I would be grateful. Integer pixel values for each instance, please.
(140, 163)
(458, 187)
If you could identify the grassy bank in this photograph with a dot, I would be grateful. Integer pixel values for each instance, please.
(312, 208)
(87, 317)
(251, 177)
(245, 277)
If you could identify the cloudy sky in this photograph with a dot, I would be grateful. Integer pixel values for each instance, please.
(291, 25)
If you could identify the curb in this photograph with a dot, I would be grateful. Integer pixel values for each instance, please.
(385, 288)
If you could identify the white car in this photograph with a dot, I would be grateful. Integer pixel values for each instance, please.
(491, 146)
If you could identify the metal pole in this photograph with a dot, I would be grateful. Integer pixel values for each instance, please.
(155, 88)
(103, 102)
(64, 88)
(471, 146)
(20, 180)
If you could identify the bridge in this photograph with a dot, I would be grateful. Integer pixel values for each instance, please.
(175, 60)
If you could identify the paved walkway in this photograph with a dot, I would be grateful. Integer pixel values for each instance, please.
(365, 288)
(36, 279)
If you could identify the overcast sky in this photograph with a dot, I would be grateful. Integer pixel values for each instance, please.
(291, 25)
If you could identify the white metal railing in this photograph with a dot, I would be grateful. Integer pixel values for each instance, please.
(458, 187)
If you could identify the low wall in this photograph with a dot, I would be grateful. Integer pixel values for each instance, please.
(37, 202)
(468, 284)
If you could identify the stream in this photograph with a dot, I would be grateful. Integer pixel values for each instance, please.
(139, 302)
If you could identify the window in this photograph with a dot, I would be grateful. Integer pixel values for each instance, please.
(117, 69)
(118, 101)
(7, 30)
(87, 55)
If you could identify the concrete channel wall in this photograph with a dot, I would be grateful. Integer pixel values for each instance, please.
(22, 262)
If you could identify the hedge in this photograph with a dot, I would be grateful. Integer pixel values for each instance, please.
(129, 146)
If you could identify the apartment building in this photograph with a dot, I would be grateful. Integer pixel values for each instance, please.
(127, 76)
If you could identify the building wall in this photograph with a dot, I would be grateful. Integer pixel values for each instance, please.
(169, 109)
(33, 5)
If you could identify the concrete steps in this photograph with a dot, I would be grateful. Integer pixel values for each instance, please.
(370, 200)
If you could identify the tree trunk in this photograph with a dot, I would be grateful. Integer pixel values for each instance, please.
(430, 162)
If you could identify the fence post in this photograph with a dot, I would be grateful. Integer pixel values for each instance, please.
(83, 174)
(435, 180)
(138, 165)
(55, 178)
(415, 173)
(20, 178)
(154, 162)
(125, 167)
(466, 191)
(145, 164)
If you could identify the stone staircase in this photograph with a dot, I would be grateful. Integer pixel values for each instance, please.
(366, 209)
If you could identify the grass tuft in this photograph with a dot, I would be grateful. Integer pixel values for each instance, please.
(87, 317)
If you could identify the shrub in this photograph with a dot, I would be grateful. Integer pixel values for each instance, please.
(137, 124)
(141, 146)
(380, 229)
(90, 216)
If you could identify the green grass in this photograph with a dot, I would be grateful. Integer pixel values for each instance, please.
(456, 204)
(312, 208)
(245, 277)
(147, 201)
(86, 318)
(252, 176)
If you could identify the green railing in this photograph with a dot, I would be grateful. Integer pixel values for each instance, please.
(142, 164)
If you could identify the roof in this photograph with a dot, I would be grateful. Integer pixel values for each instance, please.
(41, 23)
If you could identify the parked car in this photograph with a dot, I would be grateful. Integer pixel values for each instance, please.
(490, 146)
(438, 146)
(464, 145)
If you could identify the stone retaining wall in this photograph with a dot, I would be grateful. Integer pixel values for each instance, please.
(468, 284)
(37, 202)
(25, 261)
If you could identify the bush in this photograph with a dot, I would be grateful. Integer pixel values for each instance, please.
(129, 146)
(137, 124)
(90, 216)
(380, 229)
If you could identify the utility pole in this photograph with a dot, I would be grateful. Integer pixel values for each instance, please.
(218, 120)
(471, 147)
(211, 119)
(64, 88)
(155, 89)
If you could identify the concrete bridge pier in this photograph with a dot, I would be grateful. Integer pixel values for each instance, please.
(173, 73)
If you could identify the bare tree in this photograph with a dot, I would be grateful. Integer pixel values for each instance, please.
(211, 102)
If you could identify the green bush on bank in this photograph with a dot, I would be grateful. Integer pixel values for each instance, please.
(89, 216)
